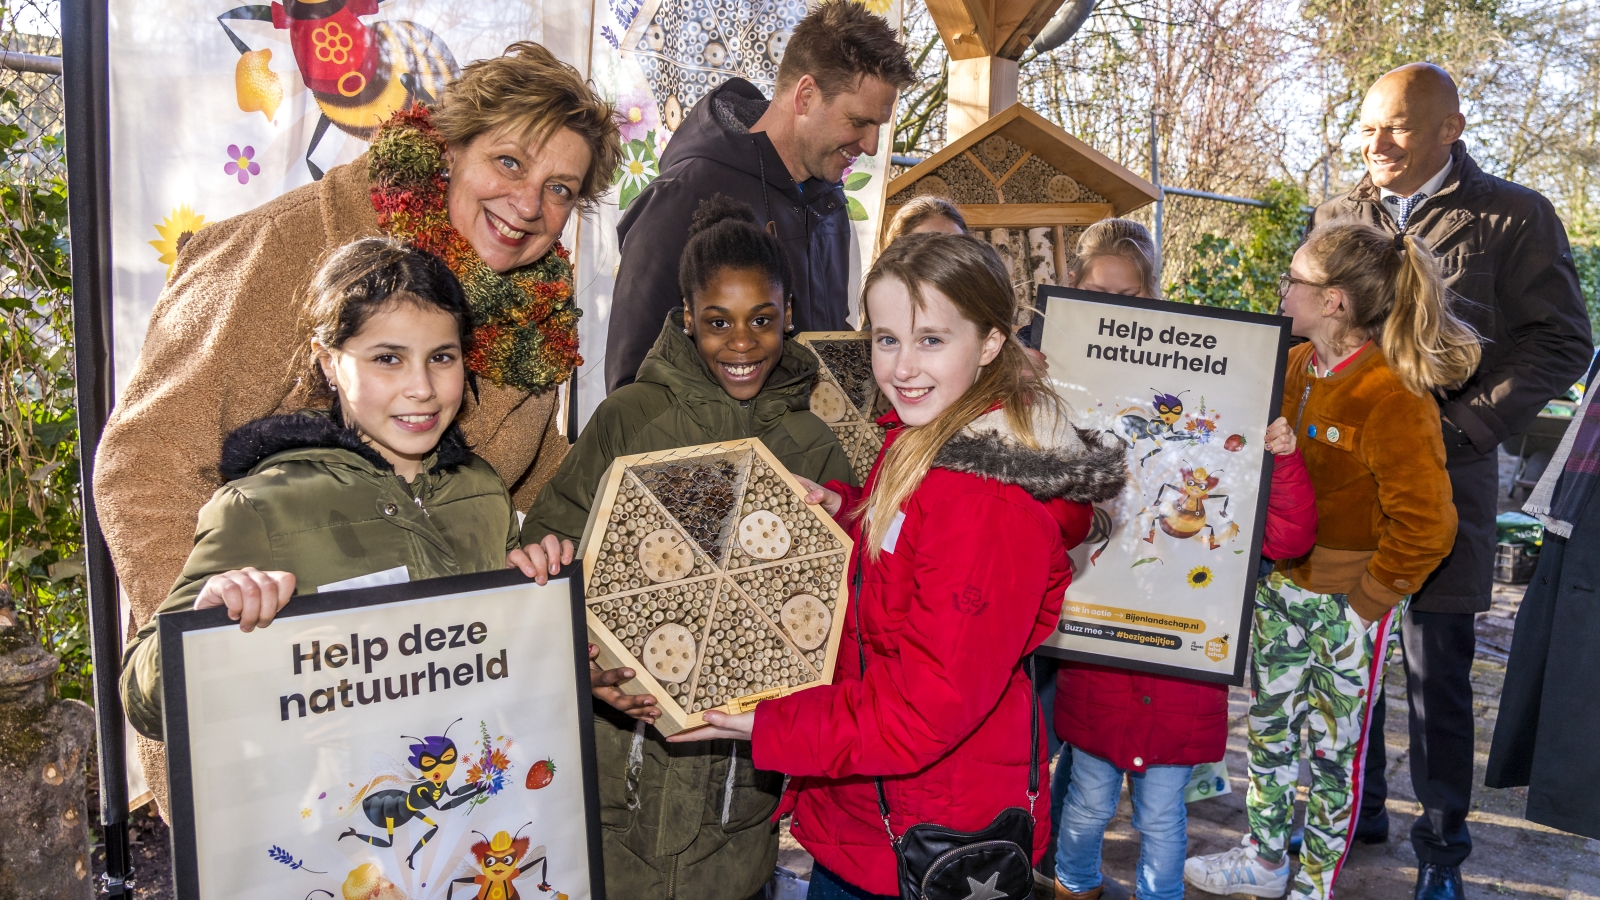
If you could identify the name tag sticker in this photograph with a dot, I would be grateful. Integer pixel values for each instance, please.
(893, 536)
(396, 575)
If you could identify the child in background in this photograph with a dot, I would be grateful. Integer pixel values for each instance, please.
(1149, 729)
(691, 820)
(1154, 729)
(376, 461)
(1381, 338)
(931, 694)
(1115, 256)
(925, 215)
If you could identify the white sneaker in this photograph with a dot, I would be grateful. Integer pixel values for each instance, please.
(1237, 871)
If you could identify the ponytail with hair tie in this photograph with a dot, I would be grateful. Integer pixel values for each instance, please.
(1400, 301)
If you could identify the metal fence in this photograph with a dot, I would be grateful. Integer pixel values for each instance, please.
(30, 69)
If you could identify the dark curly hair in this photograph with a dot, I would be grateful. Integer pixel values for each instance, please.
(726, 235)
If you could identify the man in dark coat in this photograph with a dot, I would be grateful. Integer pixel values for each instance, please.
(1504, 252)
(836, 87)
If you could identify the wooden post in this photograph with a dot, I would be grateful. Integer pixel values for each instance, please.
(979, 89)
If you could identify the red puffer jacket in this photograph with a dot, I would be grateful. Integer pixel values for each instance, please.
(1136, 720)
(969, 582)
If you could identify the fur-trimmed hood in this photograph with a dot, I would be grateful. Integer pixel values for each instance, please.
(1070, 462)
(254, 442)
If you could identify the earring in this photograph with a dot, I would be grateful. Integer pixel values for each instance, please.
(685, 329)
(445, 175)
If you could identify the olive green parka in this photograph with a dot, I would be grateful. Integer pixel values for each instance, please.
(306, 496)
(697, 822)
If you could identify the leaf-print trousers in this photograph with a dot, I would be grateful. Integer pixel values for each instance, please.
(1316, 670)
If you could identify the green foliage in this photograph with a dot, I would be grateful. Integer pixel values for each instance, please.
(1587, 257)
(1244, 274)
(41, 535)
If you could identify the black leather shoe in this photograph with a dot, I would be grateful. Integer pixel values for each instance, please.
(1373, 829)
(1440, 883)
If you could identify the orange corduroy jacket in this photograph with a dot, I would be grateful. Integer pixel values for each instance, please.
(1376, 456)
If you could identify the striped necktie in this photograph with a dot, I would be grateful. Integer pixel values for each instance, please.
(1404, 206)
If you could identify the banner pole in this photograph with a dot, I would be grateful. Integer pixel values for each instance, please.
(85, 55)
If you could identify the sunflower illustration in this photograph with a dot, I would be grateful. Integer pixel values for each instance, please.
(1199, 577)
(175, 231)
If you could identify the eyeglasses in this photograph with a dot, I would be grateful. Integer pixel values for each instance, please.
(1286, 280)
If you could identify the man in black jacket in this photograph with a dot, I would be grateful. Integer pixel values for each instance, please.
(837, 83)
(1504, 252)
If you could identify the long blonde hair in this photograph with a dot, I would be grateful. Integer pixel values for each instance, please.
(1394, 295)
(970, 274)
(1122, 238)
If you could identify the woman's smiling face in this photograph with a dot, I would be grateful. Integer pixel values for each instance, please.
(511, 198)
(924, 359)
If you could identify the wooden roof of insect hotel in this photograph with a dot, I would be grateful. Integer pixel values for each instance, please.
(1019, 170)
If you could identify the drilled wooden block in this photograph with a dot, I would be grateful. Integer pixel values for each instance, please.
(998, 154)
(672, 537)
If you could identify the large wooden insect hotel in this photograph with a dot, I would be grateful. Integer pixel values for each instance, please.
(707, 574)
(845, 396)
(1029, 189)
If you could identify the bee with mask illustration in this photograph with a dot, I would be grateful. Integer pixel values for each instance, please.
(435, 757)
(497, 864)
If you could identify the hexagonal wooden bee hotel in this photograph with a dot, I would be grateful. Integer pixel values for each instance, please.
(846, 396)
(707, 574)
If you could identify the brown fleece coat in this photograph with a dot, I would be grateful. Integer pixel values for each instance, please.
(1384, 516)
(219, 353)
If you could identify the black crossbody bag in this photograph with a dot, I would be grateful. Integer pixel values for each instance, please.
(938, 863)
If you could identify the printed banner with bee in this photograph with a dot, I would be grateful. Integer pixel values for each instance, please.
(408, 742)
(221, 106)
(1166, 580)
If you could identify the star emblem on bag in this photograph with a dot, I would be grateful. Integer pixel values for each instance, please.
(986, 890)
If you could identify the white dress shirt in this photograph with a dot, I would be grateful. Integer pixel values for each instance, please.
(1427, 190)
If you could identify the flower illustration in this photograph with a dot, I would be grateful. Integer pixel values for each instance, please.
(175, 231)
(877, 7)
(638, 115)
(488, 769)
(639, 168)
(1199, 577)
(1200, 429)
(242, 163)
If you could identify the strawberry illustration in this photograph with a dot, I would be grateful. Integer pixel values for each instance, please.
(1234, 444)
(540, 774)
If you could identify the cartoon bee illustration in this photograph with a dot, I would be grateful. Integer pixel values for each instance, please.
(435, 757)
(497, 867)
(1185, 516)
(1157, 424)
(360, 74)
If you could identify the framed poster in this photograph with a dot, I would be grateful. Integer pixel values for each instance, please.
(407, 742)
(1166, 580)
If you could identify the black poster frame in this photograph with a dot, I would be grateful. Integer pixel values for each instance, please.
(1033, 337)
(173, 626)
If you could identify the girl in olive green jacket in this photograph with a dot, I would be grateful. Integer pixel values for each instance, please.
(376, 487)
(691, 820)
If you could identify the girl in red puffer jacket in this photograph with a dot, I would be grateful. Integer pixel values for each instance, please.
(1156, 728)
(961, 549)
